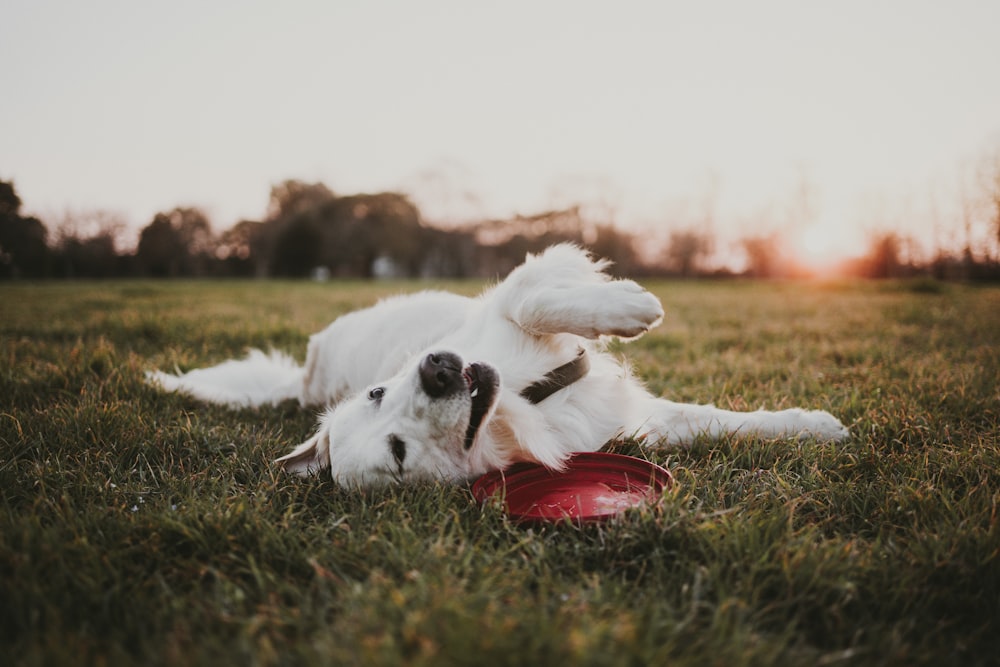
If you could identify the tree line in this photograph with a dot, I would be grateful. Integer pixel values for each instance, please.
(308, 230)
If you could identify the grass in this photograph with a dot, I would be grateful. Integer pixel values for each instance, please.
(143, 528)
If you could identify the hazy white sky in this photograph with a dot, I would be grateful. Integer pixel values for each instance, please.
(138, 107)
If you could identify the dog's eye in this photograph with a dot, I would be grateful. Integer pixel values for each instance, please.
(376, 394)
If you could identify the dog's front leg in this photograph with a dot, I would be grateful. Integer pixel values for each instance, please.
(613, 308)
(660, 422)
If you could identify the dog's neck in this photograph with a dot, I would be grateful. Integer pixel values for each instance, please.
(513, 434)
(558, 378)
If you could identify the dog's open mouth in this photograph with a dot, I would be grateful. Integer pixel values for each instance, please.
(483, 383)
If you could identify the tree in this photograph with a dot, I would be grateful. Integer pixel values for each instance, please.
(159, 250)
(991, 171)
(292, 197)
(10, 203)
(763, 255)
(686, 249)
(385, 225)
(294, 212)
(883, 256)
(241, 249)
(177, 243)
(618, 246)
(86, 245)
(311, 228)
(23, 248)
(298, 247)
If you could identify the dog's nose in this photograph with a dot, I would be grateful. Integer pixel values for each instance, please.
(441, 374)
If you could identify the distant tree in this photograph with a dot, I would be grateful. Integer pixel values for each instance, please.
(86, 245)
(618, 246)
(177, 243)
(992, 182)
(883, 259)
(311, 228)
(686, 250)
(385, 225)
(10, 203)
(451, 253)
(160, 248)
(763, 256)
(24, 251)
(292, 197)
(295, 211)
(298, 247)
(979, 218)
(241, 250)
(93, 257)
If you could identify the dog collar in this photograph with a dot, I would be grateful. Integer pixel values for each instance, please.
(557, 379)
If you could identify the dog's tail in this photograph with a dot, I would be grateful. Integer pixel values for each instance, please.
(258, 379)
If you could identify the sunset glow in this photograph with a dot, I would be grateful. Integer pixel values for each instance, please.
(821, 250)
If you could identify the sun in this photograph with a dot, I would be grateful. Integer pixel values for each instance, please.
(816, 242)
(821, 249)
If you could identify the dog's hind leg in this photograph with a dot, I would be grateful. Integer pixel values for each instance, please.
(660, 422)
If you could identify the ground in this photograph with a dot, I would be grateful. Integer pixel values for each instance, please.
(142, 528)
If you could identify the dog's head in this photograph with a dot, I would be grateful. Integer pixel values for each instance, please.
(421, 424)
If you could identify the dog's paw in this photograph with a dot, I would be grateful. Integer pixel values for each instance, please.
(631, 310)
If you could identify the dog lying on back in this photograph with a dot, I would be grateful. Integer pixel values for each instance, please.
(439, 386)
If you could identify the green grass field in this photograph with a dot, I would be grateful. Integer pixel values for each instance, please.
(143, 528)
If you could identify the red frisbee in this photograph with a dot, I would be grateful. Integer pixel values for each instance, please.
(592, 487)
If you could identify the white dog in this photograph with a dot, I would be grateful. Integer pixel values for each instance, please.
(439, 386)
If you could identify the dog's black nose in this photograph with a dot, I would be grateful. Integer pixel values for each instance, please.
(441, 374)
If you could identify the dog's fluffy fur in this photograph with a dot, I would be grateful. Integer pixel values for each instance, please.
(427, 386)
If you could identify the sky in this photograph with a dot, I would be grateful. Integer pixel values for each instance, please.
(847, 114)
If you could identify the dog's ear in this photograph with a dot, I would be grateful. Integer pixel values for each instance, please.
(311, 456)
